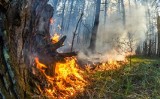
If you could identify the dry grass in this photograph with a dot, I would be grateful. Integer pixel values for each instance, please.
(141, 80)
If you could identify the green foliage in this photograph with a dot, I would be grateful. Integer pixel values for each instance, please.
(139, 81)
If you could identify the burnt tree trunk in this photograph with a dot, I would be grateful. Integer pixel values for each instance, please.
(24, 35)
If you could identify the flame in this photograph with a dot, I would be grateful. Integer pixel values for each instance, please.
(67, 81)
(39, 65)
(52, 21)
(110, 61)
(55, 38)
(115, 60)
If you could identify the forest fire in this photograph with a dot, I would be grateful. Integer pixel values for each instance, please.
(68, 78)
(67, 81)
(55, 38)
(104, 61)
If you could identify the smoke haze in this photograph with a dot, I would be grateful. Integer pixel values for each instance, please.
(114, 39)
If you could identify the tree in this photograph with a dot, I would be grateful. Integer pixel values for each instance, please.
(106, 3)
(158, 27)
(123, 12)
(95, 27)
(25, 35)
(62, 15)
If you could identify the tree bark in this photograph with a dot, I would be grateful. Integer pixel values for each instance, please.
(158, 28)
(92, 45)
(105, 10)
(25, 35)
(124, 12)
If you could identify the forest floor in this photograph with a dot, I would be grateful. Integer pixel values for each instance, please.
(141, 80)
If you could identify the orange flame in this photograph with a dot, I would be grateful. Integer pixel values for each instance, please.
(115, 61)
(111, 61)
(55, 38)
(68, 79)
(52, 21)
(39, 65)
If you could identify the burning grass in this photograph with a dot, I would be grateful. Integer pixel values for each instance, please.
(112, 79)
(67, 81)
(140, 80)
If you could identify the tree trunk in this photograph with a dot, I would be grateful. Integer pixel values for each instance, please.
(105, 10)
(149, 48)
(11, 84)
(95, 27)
(145, 48)
(158, 28)
(63, 14)
(124, 13)
(24, 35)
(70, 14)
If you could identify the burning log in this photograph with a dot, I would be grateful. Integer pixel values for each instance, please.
(59, 43)
(51, 50)
(48, 55)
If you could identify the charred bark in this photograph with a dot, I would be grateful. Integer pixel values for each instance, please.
(25, 36)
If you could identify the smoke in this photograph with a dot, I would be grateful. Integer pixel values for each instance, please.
(115, 40)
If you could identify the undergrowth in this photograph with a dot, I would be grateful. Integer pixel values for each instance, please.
(141, 80)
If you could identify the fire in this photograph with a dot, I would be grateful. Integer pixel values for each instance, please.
(114, 62)
(39, 65)
(55, 38)
(52, 21)
(67, 81)
(111, 61)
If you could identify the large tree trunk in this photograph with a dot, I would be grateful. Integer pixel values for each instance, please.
(24, 35)
(11, 83)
